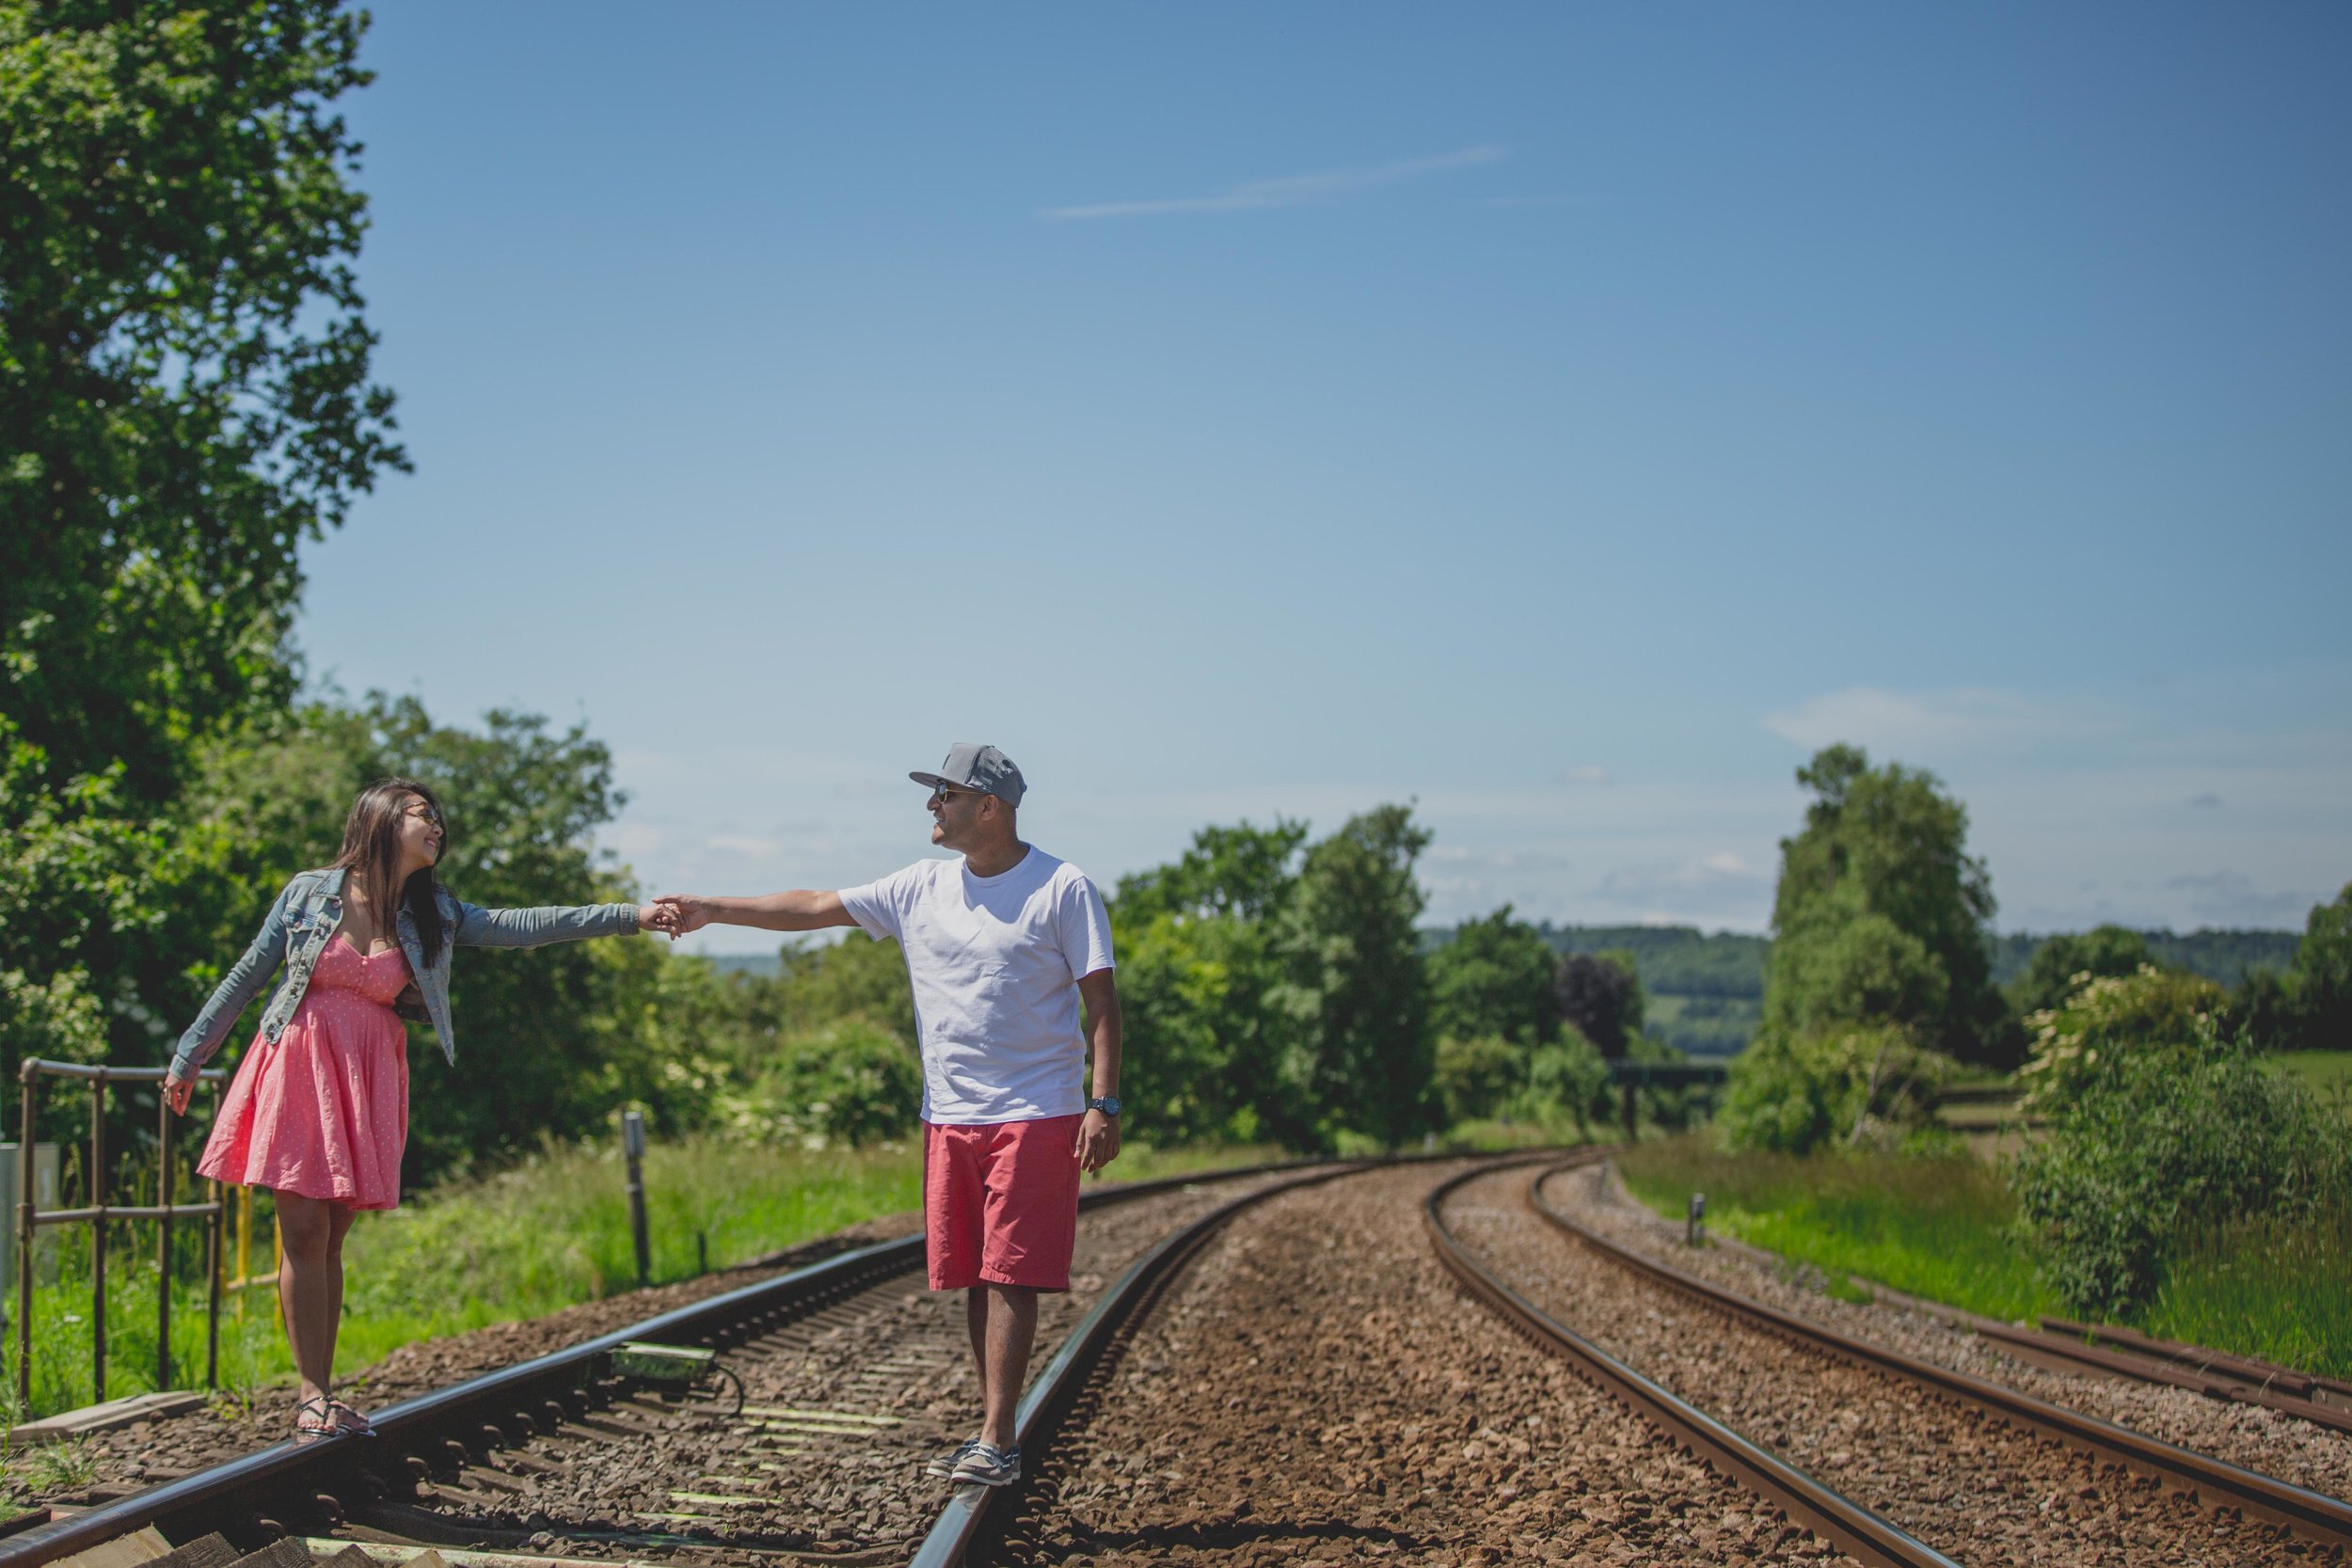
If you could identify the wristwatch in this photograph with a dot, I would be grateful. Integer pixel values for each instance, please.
(1107, 1104)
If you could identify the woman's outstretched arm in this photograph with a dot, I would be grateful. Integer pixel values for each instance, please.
(551, 923)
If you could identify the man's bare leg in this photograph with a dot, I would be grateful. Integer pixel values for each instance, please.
(1003, 1323)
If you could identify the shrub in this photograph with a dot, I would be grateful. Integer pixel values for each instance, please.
(1567, 1082)
(2096, 1036)
(1864, 1086)
(1474, 1076)
(851, 1081)
(2146, 1146)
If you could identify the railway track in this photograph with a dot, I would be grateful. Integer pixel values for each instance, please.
(2122, 1353)
(849, 1374)
(845, 1376)
(1969, 1466)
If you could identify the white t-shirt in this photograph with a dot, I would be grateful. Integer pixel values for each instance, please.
(995, 963)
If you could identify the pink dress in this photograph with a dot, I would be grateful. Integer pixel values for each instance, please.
(322, 1109)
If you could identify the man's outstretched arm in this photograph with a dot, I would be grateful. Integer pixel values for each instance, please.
(800, 909)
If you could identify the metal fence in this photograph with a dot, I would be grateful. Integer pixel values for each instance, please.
(99, 1214)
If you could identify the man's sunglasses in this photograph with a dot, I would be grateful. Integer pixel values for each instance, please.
(941, 794)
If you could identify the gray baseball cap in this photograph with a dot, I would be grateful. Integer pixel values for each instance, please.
(970, 765)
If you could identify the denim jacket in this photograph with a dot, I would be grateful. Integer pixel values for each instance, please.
(304, 919)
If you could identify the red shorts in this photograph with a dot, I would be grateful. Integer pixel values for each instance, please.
(1000, 1203)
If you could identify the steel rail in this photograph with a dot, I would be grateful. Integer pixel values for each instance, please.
(1853, 1528)
(2212, 1481)
(245, 1498)
(2213, 1373)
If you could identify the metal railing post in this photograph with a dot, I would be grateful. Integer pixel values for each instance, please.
(98, 1233)
(30, 1074)
(163, 1239)
(633, 1145)
(218, 1234)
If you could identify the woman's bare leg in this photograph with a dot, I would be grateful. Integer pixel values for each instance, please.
(310, 1284)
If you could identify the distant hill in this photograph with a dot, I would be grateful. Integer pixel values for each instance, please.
(2221, 957)
(1706, 991)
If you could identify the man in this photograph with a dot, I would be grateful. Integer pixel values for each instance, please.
(1001, 947)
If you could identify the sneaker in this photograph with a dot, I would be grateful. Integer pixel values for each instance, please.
(943, 1464)
(988, 1466)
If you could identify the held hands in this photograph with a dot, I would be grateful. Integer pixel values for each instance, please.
(676, 914)
(659, 917)
(1098, 1141)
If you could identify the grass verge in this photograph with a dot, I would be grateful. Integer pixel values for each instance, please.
(1938, 1227)
(1932, 1225)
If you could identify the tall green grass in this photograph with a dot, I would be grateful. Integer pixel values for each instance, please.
(549, 1233)
(1933, 1226)
(2277, 1288)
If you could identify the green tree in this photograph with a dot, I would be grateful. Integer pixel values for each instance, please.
(1201, 1035)
(2054, 972)
(1243, 871)
(1880, 913)
(184, 400)
(1475, 1074)
(183, 366)
(1357, 1053)
(2321, 979)
(1197, 967)
(1495, 978)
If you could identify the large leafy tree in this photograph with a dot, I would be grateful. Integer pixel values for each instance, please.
(2322, 978)
(184, 367)
(1358, 1055)
(183, 398)
(1880, 914)
(1495, 979)
(1196, 966)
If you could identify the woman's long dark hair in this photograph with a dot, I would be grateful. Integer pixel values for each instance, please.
(372, 853)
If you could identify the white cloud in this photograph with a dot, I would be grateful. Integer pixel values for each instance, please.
(1290, 190)
(1591, 773)
(1963, 718)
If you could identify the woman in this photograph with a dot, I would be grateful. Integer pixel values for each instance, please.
(318, 1112)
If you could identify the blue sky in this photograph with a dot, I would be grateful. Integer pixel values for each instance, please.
(1564, 418)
